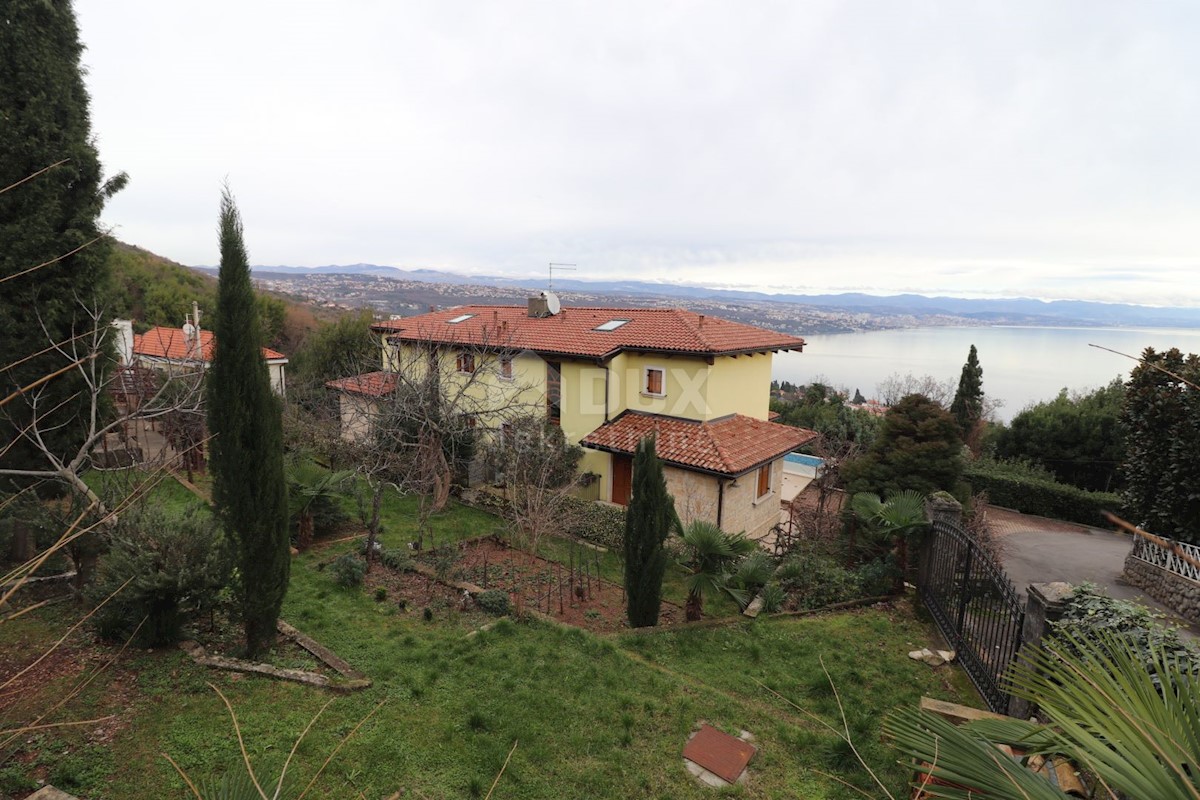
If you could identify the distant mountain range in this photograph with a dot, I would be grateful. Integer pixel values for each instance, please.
(981, 311)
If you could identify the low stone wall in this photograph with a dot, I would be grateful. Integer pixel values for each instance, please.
(1174, 591)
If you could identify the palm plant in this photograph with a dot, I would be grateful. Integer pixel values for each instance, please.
(709, 555)
(311, 489)
(892, 521)
(1139, 737)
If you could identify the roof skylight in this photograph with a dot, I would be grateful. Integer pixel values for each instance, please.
(458, 319)
(611, 325)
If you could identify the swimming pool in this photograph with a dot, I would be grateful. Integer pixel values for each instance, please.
(804, 460)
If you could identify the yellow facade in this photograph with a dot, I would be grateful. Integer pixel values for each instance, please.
(593, 393)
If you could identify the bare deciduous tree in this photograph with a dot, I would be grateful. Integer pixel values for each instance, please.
(116, 399)
(538, 466)
(895, 387)
(414, 425)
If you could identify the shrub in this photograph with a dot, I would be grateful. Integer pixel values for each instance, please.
(1031, 490)
(878, 577)
(1090, 612)
(812, 579)
(380, 594)
(773, 598)
(398, 560)
(753, 572)
(176, 562)
(348, 570)
(594, 522)
(493, 601)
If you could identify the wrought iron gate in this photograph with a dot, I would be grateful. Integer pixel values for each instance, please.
(975, 606)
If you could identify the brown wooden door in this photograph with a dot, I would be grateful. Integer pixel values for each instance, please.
(622, 478)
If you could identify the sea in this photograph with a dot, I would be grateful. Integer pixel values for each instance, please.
(1021, 365)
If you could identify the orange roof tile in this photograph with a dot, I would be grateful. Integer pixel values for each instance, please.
(171, 343)
(573, 331)
(372, 384)
(731, 445)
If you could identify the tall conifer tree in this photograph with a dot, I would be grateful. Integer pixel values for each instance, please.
(46, 219)
(967, 407)
(647, 521)
(244, 418)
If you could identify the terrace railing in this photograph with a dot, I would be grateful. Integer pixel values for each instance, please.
(1176, 557)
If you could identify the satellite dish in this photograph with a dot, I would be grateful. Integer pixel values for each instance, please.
(189, 330)
(552, 303)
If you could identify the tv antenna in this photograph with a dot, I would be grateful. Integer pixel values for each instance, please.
(554, 265)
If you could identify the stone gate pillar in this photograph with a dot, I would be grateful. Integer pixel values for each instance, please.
(1044, 604)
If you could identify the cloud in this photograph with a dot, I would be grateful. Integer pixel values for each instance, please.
(1015, 148)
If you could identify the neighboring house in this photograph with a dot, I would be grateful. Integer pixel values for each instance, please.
(168, 349)
(610, 377)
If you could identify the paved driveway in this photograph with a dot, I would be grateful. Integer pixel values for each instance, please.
(1039, 550)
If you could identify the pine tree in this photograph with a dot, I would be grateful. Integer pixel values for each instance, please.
(967, 407)
(918, 448)
(647, 521)
(244, 418)
(53, 215)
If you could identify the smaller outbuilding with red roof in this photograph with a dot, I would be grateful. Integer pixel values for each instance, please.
(168, 349)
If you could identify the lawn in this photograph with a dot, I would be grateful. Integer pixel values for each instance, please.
(591, 716)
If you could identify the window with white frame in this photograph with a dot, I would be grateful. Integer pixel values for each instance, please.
(654, 381)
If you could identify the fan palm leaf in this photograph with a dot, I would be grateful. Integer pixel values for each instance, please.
(1109, 715)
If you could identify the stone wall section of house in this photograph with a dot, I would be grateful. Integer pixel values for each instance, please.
(1172, 590)
(356, 413)
(744, 512)
(695, 494)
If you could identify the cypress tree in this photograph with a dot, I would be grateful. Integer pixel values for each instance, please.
(43, 121)
(647, 520)
(245, 420)
(967, 407)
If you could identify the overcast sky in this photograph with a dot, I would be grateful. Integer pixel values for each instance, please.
(1047, 149)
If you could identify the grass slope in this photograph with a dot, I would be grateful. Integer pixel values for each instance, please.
(593, 716)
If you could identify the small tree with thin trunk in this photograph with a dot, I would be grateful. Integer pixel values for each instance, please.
(649, 517)
(244, 418)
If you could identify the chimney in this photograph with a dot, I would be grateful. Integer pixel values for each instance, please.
(538, 307)
(701, 320)
(124, 341)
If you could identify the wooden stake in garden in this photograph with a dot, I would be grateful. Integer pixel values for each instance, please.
(485, 568)
(558, 570)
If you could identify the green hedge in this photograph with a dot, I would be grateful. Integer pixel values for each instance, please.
(598, 523)
(1032, 491)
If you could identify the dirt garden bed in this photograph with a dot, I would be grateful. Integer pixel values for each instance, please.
(574, 596)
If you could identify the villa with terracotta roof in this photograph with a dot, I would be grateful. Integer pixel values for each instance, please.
(165, 349)
(610, 377)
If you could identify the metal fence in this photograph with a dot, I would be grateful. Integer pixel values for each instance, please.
(1168, 559)
(975, 606)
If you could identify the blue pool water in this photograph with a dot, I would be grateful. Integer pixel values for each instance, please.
(800, 458)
